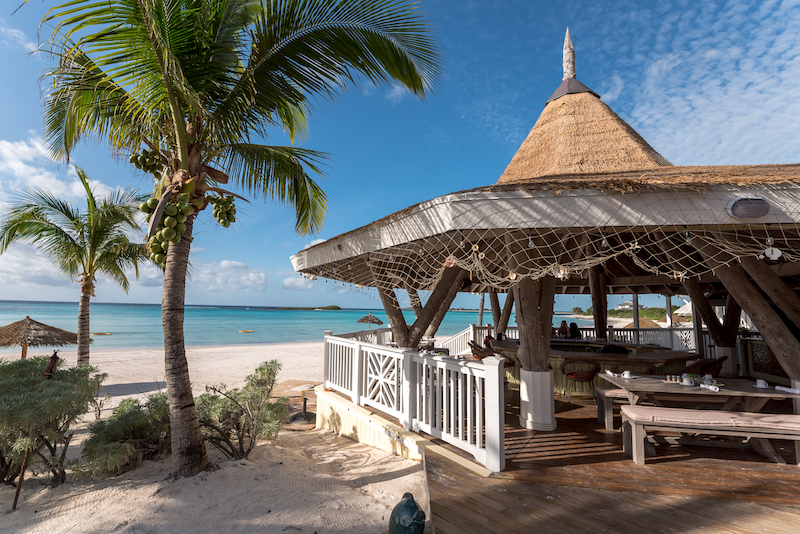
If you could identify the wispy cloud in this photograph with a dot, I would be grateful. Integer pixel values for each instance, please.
(298, 283)
(15, 39)
(22, 265)
(25, 164)
(396, 93)
(314, 242)
(229, 276)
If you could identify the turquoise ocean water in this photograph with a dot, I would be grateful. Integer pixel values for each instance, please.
(138, 326)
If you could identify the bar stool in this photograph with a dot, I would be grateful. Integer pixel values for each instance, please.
(575, 371)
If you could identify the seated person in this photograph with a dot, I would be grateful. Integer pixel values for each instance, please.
(500, 336)
(487, 341)
(574, 333)
(563, 330)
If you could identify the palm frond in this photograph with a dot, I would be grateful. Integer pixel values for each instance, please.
(279, 173)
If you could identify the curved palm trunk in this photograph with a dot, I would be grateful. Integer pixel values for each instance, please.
(83, 329)
(188, 449)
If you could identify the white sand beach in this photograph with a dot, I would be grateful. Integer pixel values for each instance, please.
(310, 481)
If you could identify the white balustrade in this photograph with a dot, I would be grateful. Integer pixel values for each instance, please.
(459, 402)
(459, 343)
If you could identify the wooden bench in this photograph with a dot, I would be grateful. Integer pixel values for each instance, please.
(604, 397)
(756, 427)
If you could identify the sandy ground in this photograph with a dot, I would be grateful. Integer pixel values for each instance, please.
(308, 481)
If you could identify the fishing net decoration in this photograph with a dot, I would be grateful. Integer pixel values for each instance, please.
(499, 258)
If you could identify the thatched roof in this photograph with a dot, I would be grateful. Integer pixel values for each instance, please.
(577, 134)
(30, 333)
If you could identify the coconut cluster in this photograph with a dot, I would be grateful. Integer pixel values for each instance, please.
(224, 209)
(148, 161)
(169, 228)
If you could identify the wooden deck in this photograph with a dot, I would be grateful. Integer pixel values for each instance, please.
(576, 479)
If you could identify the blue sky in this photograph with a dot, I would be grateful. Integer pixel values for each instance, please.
(704, 82)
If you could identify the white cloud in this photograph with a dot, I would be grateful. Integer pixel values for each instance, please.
(15, 39)
(314, 242)
(298, 283)
(230, 276)
(22, 265)
(396, 93)
(611, 90)
(25, 164)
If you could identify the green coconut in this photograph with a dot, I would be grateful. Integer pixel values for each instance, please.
(155, 248)
(176, 239)
(171, 209)
(180, 218)
(180, 228)
(232, 218)
(153, 202)
(144, 207)
(187, 210)
(164, 245)
(159, 258)
(183, 197)
(168, 233)
(133, 159)
(170, 222)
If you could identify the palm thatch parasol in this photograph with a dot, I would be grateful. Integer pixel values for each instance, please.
(370, 320)
(30, 333)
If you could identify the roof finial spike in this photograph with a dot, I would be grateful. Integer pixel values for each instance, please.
(569, 57)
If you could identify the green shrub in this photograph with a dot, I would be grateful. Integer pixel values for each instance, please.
(233, 420)
(37, 414)
(133, 433)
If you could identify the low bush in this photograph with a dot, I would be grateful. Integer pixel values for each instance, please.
(37, 414)
(233, 420)
(134, 432)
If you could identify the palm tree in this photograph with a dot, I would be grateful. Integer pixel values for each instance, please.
(82, 244)
(200, 84)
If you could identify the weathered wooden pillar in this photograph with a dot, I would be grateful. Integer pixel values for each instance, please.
(636, 337)
(599, 290)
(508, 305)
(495, 303)
(480, 308)
(534, 301)
(416, 302)
(444, 306)
(452, 276)
(778, 292)
(777, 335)
(723, 334)
(396, 319)
(668, 309)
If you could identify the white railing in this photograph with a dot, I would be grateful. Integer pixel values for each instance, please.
(379, 336)
(459, 343)
(459, 402)
(454, 403)
(479, 332)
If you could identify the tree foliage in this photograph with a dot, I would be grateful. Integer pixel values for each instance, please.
(134, 432)
(234, 419)
(38, 414)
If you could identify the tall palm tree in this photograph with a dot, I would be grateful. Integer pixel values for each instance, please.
(82, 244)
(200, 83)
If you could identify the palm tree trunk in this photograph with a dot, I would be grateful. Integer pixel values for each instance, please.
(83, 329)
(189, 455)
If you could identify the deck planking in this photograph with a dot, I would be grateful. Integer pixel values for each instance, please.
(576, 479)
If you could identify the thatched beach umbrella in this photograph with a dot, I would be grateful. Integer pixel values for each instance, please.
(370, 320)
(30, 333)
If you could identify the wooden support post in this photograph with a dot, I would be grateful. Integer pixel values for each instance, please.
(776, 334)
(697, 323)
(480, 308)
(24, 351)
(766, 279)
(396, 319)
(443, 308)
(416, 302)
(703, 306)
(599, 290)
(636, 337)
(535, 320)
(508, 305)
(495, 302)
(450, 282)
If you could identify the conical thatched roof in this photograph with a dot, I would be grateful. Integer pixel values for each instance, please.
(30, 333)
(576, 134)
(370, 319)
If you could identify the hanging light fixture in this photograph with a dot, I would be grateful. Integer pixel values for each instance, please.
(367, 260)
(530, 240)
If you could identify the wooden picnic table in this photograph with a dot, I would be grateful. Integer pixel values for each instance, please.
(734, 392)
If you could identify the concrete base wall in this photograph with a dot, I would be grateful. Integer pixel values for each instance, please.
(342, 417)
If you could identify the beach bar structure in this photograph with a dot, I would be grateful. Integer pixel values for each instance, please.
(586, 205)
